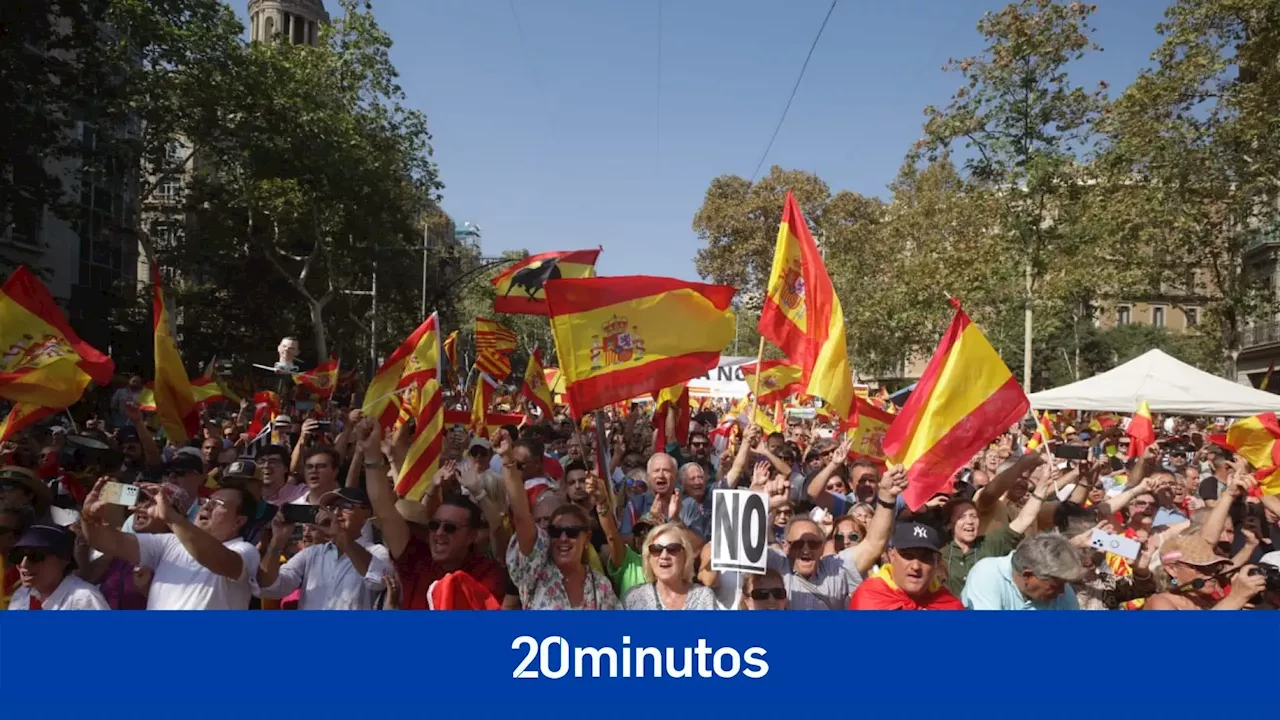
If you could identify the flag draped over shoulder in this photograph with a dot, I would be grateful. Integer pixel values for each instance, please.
(321, 380)
(423, 458)
(802, 314)
(534, 388)
(965, 398)
(43, 363)
(494, 344)
(777, 379)
(519, 288)
(622, 337)
(175, 401)
(1141, 431)
(414, 362)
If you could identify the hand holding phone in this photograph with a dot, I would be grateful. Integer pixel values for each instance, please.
(299, 513)
(117, 493)
(1117, 544)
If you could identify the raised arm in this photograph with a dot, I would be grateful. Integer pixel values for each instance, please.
(617, 545)
(1237, 486)
(382, 494)
(817, 489)
(521, 513)
(868, 552)
(150, 450)
(1000, 484)
(102, 537)
(205, 548)
(743, 457)
(470, 478)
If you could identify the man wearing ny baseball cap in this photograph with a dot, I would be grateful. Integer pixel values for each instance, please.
(910, 581)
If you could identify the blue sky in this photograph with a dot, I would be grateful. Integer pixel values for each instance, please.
(560, 132)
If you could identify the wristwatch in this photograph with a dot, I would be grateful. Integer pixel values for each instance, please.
(886, 505)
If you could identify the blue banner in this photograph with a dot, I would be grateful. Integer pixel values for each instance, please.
(624, 664)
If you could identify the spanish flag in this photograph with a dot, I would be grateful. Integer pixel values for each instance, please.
(423, 459)
(520, 288)
(414, 362)
(23, 415)
(321, 380)
(1141, 431)
(1043, 433)
(494, 344)
(205, 390)
(622, 337)
(866, 437)
(1255, 439)
(45, 364)
(774, 380)
(802, 314)
(679, 396)
(534, 388)
(266, 405)
(1102, 421)
(965, 398)
(480, 402)
(175, 401)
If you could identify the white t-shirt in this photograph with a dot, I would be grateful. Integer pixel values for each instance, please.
(181, 583)
(71, 594)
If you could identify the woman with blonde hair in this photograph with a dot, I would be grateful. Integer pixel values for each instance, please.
(669, 559)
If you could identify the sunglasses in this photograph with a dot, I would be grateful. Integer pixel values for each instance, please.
(672, 549)
(572, 532)
(348, 505)
(699, 444)
(768, 593)
(803, 544)
(477, 451)
(851, 537)
(35, 556)
(448, 527)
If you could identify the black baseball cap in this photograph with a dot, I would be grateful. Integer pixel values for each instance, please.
(184, 463)
(57, 540)
(353, 495)
(243, 468)
(908, 535)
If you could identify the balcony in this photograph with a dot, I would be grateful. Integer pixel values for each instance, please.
(1263, 237)
(1262, 334)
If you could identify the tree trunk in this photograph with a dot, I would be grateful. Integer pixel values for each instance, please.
(1026, 333)
(317, 327)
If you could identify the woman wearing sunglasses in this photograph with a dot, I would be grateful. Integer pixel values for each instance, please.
(549, 566)
(764, 592)
(847, 533)
(669, 559)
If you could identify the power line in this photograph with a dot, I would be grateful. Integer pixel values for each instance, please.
(794, 88)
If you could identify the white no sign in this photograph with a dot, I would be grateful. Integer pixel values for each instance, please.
(739, 531)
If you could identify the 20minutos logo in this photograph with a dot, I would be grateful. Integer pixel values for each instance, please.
(554, 658)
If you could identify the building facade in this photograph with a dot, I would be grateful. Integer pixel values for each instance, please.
(294, 21)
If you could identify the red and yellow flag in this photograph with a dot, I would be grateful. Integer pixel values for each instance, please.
(266, 405)
(679, 395)
(777, 379)
(414, 362)
(622, 337)
(423, 459)
(450, 348)
(520, 288)
(868, 432)
(44, 363)
(802, 314)
(1043, 433)
(1266, 379)
(494, 344)
(1141, 431)
(1255, 439)
(1102, 421)
(481, 399)
(23, 415)
(320, 381)
(175, 401)
(534, 388)
(965, 398)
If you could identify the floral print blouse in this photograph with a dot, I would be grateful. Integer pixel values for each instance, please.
(541, 584)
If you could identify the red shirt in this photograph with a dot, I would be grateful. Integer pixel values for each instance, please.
(875, 593)
(417, 571)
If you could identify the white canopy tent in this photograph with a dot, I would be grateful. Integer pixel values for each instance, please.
(1168, 385)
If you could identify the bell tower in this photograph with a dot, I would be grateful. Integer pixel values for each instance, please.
(293, 21)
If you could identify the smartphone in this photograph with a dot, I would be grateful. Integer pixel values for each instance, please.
(1118, 544)
(322, 423)
(120, 494)
(1071, 452)
(300, 513)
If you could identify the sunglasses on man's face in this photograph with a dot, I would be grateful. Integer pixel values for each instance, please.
(698, 444)
(33, 556)
(347, 505)
(437, 525)
(803, 543)
(768, 593)
(572, 532)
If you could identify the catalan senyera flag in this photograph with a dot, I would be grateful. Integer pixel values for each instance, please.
(777, 379)
(416, 360)
(321, 380)
(481, 399)
(802, 314)
(520, 288)
(45, 364)
(534, 388)
(867, 434)
(676, 396)
(450, 348)
(965, 398)
(1141, 431)
(494, 343)
(23, 415)
(1042, 434)
(623, 337)
(175, 401)
(423, 459)
(1256, 439)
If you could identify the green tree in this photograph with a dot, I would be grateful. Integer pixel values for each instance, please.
(1023, 124)
(1192, 147)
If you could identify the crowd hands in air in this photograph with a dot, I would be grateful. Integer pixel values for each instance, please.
(524, 520)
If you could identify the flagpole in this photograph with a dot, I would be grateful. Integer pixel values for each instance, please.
(755, 389)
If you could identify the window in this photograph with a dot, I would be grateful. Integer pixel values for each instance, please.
(174, 152)
(1123, 315)
(168, 190)
(1193, 317)
(1157, 316)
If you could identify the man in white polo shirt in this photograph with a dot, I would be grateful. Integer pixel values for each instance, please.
(205, 565)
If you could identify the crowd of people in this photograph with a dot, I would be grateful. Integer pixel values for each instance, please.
(536, 517)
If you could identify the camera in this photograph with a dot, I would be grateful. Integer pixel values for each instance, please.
(1272, 574)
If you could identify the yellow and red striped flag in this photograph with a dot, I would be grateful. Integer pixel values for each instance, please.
(23, 415)
(423, 459)
(1043, 433)
(802, 314)
(777, 379)
(480, 402)
(965, 399)
(534, 388)
(666, 397)
(520, 288)
(44, 363)
(1141, 431)
(450, 348)
(321, 380)
(415, 361)
(175, 401)
(494, 344)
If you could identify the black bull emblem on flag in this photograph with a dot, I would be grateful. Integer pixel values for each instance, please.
(533, 277)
